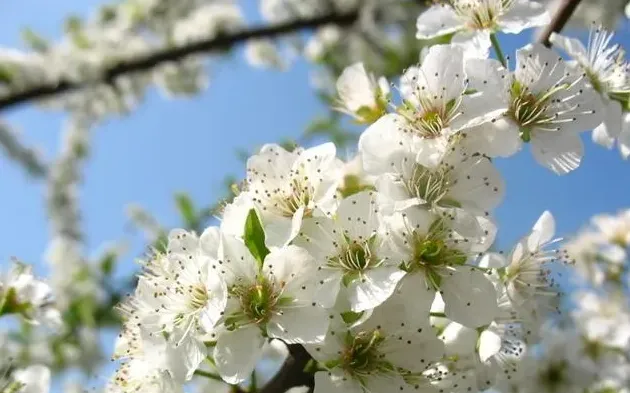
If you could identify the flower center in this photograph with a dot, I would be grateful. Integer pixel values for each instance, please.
(361, 356)
(481, 14)
(354, 258)
(258, 303)
(287, 202)
(529, 110)
(199, 296)
(429, 252)
(430, 185)
(432, 114)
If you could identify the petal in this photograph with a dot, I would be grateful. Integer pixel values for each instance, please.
(479, 184)
(610, 128)
(235, 261)
(386, 384)
(321, 237)
(459, 339)
(546, 227)
(380, 140)
(572, 46)
(185, 357)
(180, 241)
(235, 215)
(355, 88)
(279, 231)
(294, 267)
(489, 344)
(560, 152)
(497, 138)
(417, 296)
(442, 72)
(474, 43)
(414, 350)
(210, 241)
(271, 164)
(326, 382)
(359, 216)
(237, 352)
(373, 287)
(624, 137)
(469, 296)
(492, 260)
(436, 21)
(488, 76)
(522, 15)
(36, 379)
(477, 109)
(299, 325)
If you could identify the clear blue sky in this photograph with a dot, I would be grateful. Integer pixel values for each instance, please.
(188, 145)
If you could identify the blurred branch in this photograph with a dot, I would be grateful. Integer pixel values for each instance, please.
(559, 20)
(25, 156)
(149, 61)
(292, 372)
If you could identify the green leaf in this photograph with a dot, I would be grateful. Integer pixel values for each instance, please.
(108, 262)
(255, 237)
(186, 209)
(351, 317)
(33, 40)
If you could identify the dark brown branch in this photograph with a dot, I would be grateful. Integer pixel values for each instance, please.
(559, 20)
(149, 61)
(291, 373)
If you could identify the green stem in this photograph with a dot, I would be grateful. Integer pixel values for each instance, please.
(497, 49)
(438, 314)
(208, 375)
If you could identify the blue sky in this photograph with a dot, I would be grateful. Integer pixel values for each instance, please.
(188, 145)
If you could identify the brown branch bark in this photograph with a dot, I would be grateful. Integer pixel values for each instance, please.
(559, 20)
(291, 373)
(149, 61)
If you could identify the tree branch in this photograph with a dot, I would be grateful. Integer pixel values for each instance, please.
(559, 20)
(149, 61)
(291, 373)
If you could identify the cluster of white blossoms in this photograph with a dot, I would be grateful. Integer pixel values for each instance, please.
(588, 349)
(382, 268)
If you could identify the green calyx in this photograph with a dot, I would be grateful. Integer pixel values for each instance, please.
(369, 115)
(354, 258)
(10, 304)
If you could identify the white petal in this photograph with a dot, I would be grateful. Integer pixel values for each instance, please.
(624, 137)
(489, 344)
(489, 76)
(36, 379)
(270, 164)
(522, 15)
(443, 72)
(321, 237)
(235, 215)
(560, 152)
(279, 231)
(181, 241)
(492, 260)
(237, 261)
(546, 227)
(237, 352)
(413, 350)
(479, 184)
(373, 287)
(417, 296)
(379, 383)
(355, 88)
(498, 138)
(469, 296)
(210, 241)
(183, 359)
(572, 46)
(477, 109)
(459, 339)
(359, 215)
(299, 325)
(605, 133)
(380, 140)
(436, 21)
(475, 43)
(326, 382)
(294, 267)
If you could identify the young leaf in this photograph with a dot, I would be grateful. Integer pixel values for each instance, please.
(186, 209)
(255, 237)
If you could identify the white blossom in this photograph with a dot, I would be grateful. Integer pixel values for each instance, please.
(361, 95)
(473, 21)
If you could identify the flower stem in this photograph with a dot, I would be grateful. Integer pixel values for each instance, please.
(208, 375)
(497, 49)
(438, 314)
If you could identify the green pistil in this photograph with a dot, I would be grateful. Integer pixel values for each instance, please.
(361, 356)
(258, 302)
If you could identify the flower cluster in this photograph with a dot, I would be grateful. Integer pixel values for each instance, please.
(382, 269)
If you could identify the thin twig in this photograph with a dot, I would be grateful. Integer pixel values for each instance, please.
(559, 20)
(149, 61)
